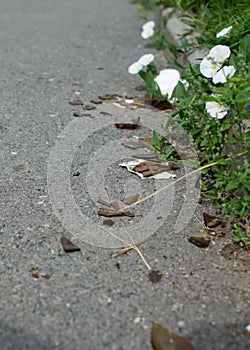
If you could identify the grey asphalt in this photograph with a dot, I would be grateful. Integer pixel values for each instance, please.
(49, 51)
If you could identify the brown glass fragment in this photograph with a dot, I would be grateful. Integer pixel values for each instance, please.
(76, 102)
(163, 339)
(33, 268)
(155, 276)
(127, 126)
(163, 105)
(211, 221)
(108, 222)
(96, 102)
(199, 241)
(105, 113)
(68, 246)
(210, 232)
(112, 212)
(108, 97)
(89, 108)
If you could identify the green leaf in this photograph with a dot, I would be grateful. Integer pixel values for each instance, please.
(151, 86)
(155, 141)
(169, 151)
(245, 47)
(179, 91)
(232, 185)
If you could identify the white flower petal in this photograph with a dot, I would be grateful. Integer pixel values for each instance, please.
(219, 53)
(148, 25)
(224, 32)
(135, 68)
(148, 29)
(208, 68)
(223, 74)
(145, 60)
(215, 109)
(167, 81)
(145, 34)
(185, 83)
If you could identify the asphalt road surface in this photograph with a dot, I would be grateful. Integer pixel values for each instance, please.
(52, 52)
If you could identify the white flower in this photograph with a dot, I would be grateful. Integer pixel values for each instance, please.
(219, 53)
(223, 74)
(215, 109)
(208, 67)
(167, 81)
(224, 32)
(148, 29)
(135, 68)
(145, 60)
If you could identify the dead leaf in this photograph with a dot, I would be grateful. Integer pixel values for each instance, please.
(131, 199)
(163, 339)
(148, 169)
(199, 241)
(68, 246)
(103, 202)
(113, 208)
(135, 143)
(155, 276)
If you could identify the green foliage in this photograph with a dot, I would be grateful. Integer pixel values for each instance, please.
(223, 141)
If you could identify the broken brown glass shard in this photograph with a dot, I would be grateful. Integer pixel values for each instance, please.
(155, 276)
(127, 126)
(108, 222)
(199, 241)
(210, 232)
(88, 108)
(76, 102)
(112, 212)
(211, 221)
(105, 113)
(68, 246)
(163, 339)
(163, 105)
(96, 102)
(109, 97)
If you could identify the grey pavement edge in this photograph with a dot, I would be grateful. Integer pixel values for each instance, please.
(51, 52)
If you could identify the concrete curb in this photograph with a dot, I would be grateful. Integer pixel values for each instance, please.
(174, 31)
